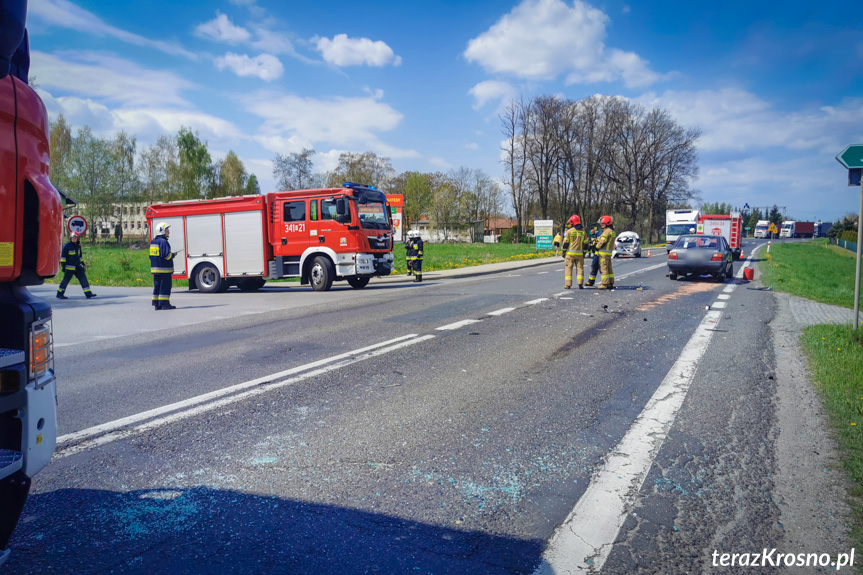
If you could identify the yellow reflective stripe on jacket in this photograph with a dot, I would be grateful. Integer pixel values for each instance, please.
(161, 270)
(154, 250)
(575, 240)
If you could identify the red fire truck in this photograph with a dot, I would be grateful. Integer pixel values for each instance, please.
(31, 222)
(319, 236)
(721, 225)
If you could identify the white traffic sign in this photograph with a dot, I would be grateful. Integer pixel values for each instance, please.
(77, 224)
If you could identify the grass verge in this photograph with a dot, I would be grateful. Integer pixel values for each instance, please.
(814, 270)
(129, 266)
(835, 358)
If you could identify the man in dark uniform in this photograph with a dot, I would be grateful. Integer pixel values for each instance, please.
(594, 234)
(162, 267)
(418, 257)
(72, 263)
(409, 252)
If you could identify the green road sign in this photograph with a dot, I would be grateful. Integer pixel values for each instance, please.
(544, 243)
(852, 156)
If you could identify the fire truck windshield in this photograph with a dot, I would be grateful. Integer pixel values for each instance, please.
(372, 209)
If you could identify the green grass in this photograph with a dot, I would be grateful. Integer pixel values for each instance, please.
(112, 265)
(814, 270)
(836, 360)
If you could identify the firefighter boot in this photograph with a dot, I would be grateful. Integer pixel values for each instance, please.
(166, 305)
(419, 278)
(61, 295)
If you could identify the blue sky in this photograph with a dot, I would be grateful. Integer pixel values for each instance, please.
(775, 87)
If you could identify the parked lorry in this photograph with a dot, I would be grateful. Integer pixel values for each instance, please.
(762, 229)
(319, 236)
(792, 229)
(677, 223)
(729, 226)
(31, 222)
(822, 229)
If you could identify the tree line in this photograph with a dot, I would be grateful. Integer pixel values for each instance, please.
(460, 201)
(103, 175)
(595, 156)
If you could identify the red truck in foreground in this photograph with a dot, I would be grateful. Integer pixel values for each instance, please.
(31, 221)
(319, 236)
(729, 226)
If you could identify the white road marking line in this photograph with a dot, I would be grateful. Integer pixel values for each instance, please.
(542, 273)
(536, 301)
(500, 311)
(729, 288)
(583, 542)
(563, 293)
(719, 304)
(132, 419)
(457, 324)
(174, 417)
(723, 296)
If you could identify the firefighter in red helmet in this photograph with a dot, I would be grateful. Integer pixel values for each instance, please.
(604, 247)
(573, 250)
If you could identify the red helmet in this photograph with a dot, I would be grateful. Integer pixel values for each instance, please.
(74, 235)
(607, 220)
(574, 220)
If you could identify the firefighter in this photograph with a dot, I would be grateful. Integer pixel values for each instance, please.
(72, 263)
(573, 249)
(593, 236)
(604, 247)
(556, 243)
(162, 267)
(418, 257)
(409, 253)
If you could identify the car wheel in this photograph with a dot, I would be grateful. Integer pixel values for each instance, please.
(672, 276)
(208, 279)
(730, 273)
(322, 274)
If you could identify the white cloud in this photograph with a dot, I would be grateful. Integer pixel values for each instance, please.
(109, 78)
(221, 29)
(343, 51)
(271, 41)
(489, 90)
(342, 121)
(732, 119)
(64, 14)
(543, 39)
(265, 66)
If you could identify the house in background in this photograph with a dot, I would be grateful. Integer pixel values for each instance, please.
(486, 230)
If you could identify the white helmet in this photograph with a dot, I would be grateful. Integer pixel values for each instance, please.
(161, 228)
(412, 234)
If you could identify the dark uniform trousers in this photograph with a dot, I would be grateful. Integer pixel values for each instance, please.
(79, 273)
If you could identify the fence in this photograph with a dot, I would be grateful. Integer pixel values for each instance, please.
(850, 246)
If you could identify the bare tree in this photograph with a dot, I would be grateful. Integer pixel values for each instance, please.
(294, 171)
(157, 171)
(515, 160)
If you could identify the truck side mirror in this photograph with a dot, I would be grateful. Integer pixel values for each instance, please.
(341, 207)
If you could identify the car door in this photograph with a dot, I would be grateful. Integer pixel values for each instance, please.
(294, 228)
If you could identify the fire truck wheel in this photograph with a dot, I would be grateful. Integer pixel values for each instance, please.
(208, 279)
(322, 274)
(358, 282)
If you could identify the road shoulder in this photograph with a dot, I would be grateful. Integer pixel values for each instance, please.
(811, 488)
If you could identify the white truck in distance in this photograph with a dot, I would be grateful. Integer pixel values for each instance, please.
(761, 229)
(677, 223)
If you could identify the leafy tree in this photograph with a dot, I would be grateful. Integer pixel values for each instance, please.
(367, 168)
(775, 216)
(232, 175)
(252, 186)
(61, 150)
(125, 177)
(194, 169)
(416, 188)
(158, 171)
(91, 178)
(716, 208)
(294, 171)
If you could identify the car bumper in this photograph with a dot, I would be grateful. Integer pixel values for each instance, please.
(700, 268)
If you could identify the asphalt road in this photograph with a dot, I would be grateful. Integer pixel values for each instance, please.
(447, 427)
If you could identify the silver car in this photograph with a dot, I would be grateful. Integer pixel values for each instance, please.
(700, 255)
(627, 244)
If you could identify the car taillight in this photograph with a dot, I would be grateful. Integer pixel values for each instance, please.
(673, 256)
(717, 257)
(41, 350)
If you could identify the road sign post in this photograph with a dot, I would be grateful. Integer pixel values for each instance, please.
(852, 158)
